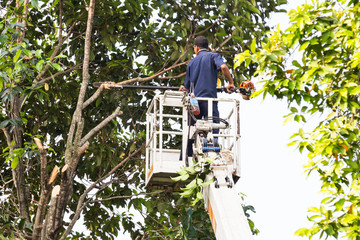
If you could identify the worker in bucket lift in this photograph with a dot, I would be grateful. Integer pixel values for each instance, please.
(202, 75)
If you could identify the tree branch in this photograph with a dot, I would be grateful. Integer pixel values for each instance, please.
(93, 97)
(45, 192)
(100, 125)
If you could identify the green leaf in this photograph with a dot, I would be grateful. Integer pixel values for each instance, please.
(35, 3)
(18, 53)
(313, 209)
(39, 65)
(4, 123)
(56, 66)
(355, 91)
(176, 179)
(14, 162)
(293, 109)
(339, 204)
(253, 45)
(302, 232)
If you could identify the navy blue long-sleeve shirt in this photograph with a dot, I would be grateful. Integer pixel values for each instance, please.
(203, 72)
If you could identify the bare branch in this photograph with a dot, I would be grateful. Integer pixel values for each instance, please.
(205, 30)
(93, 97)
(85, 80)
(45, 191)
(50, 218)
(100, 125)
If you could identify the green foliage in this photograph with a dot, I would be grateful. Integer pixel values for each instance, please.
(197, 173)
(324, 80)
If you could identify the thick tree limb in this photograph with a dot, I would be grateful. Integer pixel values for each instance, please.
(72, 148)
(100, 125)
(45, 191)
(85, 80)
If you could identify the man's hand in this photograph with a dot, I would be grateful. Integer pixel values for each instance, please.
(182, 88)
(230, 86)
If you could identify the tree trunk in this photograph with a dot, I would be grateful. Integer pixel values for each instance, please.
(18, 172)
(74, 148)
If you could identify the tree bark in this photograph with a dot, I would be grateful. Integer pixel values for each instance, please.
(18, 172)
(17, 137)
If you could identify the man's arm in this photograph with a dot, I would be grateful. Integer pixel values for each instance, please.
(225, 70)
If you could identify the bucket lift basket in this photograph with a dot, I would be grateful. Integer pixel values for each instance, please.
(164, 140)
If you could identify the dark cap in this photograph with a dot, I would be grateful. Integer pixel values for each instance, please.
(201, 42)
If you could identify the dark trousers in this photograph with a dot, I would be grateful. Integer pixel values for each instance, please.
(203, 114)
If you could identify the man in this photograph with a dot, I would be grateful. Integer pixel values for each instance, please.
(202, 72)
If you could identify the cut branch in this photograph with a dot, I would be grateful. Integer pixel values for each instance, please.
(43, 161)
(53, 175)
(50, 221)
